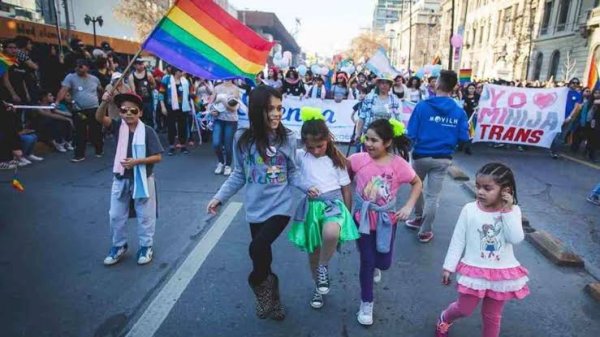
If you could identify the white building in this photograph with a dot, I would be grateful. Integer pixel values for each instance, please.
(385, 11)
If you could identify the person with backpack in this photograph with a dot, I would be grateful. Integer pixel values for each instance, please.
(142, 83)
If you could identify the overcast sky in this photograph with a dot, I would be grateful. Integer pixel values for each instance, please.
(327, 25)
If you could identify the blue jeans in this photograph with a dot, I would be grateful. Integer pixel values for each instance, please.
(596, 191)
(28, 143)
(222, 140)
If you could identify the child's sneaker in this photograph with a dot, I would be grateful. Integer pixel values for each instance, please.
(322, 280)
(59, 147)
(377, 275)
(68, 146)
(219, 168)
(365, 313)
(7, 165)
(34, 157)
(227, 171)
(317, 300)
(144, 255)
(592, 199)
(115, 254)
(414, 223)
(425, 237)
(442, 328)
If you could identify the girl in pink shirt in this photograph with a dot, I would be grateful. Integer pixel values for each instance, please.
(378, 174)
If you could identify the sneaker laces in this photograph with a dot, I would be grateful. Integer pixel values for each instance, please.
(317, 297)
(322, 275)
(366, 308)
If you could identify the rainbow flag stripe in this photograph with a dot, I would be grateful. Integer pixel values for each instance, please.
(5, 63)
(201, 38)
(464, 76)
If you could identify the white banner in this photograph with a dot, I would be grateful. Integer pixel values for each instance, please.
(522, 116)
(337, 115)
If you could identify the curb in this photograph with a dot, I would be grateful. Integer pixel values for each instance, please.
(594, 290)
(457, 173)
(554, 249)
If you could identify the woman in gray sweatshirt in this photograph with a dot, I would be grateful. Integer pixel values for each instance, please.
(264, 162)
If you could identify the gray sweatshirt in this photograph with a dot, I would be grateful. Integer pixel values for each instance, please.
(268, 184)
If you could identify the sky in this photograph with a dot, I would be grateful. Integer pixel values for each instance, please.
(327, 26)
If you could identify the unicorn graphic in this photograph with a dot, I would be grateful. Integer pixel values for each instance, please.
(490, 239)
(377, 189)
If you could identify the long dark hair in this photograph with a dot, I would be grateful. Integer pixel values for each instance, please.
(410, 83)
(318, 131)
(383, 128)
(502, 175)
(259, 131)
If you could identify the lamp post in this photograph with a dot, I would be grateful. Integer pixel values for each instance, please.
(93, 20)
(391, 36)
(450, 56)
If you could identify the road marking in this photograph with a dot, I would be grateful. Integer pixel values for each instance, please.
(582, 162)
(159, 308)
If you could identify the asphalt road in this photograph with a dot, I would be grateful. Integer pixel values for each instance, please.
(54, 236)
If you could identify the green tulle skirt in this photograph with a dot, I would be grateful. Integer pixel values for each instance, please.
(307, 235)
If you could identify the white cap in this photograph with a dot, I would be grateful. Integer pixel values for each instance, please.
(116, 76)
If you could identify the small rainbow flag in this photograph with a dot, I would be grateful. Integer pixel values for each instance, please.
(16, 184)
(592, 81)
(464, 76)
(5, 63)
(201, 38)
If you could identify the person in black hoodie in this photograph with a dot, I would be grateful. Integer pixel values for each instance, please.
(292, 85)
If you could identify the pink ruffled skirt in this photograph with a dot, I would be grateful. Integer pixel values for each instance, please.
(499, 284)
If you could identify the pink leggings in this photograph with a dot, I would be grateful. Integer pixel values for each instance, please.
(491, 312)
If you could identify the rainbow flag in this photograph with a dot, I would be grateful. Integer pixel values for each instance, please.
(464, 76)
(5, 63)
(201, 38)
(592, 81)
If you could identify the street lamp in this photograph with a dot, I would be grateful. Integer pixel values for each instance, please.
(93, 20)
(391, 35)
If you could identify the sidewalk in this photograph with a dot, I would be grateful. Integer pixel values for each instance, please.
(218, 301)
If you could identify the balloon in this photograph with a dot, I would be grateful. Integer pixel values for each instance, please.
(324, 71)
(278, 56)
(456, 41)
(316, 70)
(287, 55)
(350, 69)
(435, 72)
(302, 70)
(437, 67)
(428, 69)
(420, 73)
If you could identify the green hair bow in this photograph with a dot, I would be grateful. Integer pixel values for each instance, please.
(309, 113)
(398, 127)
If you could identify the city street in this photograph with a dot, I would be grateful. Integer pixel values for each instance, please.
(54, 236)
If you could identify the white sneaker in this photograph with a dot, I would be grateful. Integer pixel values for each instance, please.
(69, 146)
(35, 158)
(219, 168)
(23, 162)
(377, 275)
(365, 313)
(7, 165)
(59, 147)
(227, 170)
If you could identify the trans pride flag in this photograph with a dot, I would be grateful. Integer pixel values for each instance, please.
(201, 38)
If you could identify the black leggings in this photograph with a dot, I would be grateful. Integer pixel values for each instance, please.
(176, 127)
(263, 235)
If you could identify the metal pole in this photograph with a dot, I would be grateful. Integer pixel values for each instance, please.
(57, 19)
(450, 56)
(94, 27)
(67, 23)
(409, 34)
(531, 23)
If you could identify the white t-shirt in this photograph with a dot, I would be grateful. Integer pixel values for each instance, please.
(320, 172)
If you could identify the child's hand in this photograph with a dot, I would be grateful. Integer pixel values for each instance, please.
(129, 163)
(313, 192)
(404, 213)
(446, 277)
(213, 206)
(508, 201)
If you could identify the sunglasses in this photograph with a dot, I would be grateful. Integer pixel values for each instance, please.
(125, 110)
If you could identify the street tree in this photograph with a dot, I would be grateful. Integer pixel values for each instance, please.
(144, 14)
(364, 45)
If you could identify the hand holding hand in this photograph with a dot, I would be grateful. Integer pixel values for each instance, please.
(129, 163)
(446, 277)
(313, 192)
(404, 213)
(213, 206)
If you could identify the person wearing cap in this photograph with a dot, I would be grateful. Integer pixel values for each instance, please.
(317, 90)
(225, 100)
(381, 103)
(142, 83)
(138, 150)
(85, 90)
(436, 126)
(574, 98)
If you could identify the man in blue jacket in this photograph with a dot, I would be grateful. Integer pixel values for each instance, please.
(435, 127)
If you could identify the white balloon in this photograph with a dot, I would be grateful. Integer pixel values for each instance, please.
(350, 69)
(324, 71)
(316, 70)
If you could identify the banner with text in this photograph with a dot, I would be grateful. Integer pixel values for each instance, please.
(520, 116)
(337, 115)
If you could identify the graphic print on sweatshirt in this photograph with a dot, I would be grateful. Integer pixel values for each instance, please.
(378, 189)
(491, 239)
(273, 171)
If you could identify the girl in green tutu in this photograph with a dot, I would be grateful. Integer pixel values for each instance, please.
(322, 219)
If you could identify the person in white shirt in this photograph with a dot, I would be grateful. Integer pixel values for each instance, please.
(481, 252)
(317, 90)
(322, 220)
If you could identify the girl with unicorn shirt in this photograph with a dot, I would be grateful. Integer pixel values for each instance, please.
(175, 105)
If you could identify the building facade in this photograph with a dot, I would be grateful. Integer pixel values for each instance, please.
(414, 38)
(561, 48)
(498, 36)
(385, 11)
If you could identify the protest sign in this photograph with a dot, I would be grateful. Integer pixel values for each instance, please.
(521, 116)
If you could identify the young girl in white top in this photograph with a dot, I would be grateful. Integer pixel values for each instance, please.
(322, 221)
(481, 252)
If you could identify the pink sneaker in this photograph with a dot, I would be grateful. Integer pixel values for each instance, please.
(442, 328)
(414, 223)
(425, 237)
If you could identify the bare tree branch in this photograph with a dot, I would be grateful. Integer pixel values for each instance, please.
(144, 14)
